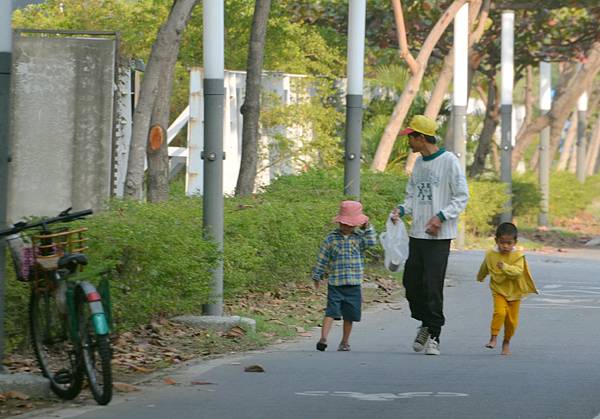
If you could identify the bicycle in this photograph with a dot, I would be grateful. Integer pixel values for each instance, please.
(68, 317)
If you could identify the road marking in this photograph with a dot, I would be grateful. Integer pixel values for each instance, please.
(566, 296)
(380, 397)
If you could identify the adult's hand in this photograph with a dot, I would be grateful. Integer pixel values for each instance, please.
(433, 226)
(395, 215)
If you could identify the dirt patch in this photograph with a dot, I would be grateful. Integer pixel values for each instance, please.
(572, 232)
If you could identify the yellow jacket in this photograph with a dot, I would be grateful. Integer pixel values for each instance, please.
(513, 280)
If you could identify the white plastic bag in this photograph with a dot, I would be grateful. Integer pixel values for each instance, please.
(395, 245)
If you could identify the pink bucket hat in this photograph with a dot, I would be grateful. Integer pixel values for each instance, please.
(350, 213)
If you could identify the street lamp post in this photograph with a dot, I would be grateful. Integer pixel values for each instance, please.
(5, 75)
(213, 156)
(507, 75)
(354, 96)
(582, 106)
(544, 167)
(460, 95)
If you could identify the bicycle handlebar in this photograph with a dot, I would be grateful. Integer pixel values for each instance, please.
(64, 216)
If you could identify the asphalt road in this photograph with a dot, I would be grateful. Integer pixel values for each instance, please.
(554, 371)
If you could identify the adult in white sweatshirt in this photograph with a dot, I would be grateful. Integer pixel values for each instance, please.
(436, 194)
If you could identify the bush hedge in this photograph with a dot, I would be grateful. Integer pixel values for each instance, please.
(163, 266)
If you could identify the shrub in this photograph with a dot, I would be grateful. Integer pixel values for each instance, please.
(486, 202)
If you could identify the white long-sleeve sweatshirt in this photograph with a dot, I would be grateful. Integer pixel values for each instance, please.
(437, 186)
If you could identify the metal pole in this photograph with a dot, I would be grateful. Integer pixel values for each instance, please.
(582, 106)
(507, 74)
(5, 75)
(214, 92)
(460, 97)
(545, 158)
(354, 97)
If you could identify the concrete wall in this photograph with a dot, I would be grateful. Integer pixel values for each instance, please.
(62, 124)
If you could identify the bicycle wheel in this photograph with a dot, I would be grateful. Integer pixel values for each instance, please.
(58, 357)
(96, 350)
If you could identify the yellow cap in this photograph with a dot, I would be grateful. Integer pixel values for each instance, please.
(421, 124)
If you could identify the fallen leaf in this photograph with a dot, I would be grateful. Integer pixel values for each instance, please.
(305, 334)
(124, 387)
(200, 383)
(236, 332)
(169, 381)
(16, 395)
(140, 369)
(254, 368)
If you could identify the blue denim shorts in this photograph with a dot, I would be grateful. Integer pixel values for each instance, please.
(344, 301)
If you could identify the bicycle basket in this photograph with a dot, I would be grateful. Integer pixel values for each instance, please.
(49, 247)
(21, 250)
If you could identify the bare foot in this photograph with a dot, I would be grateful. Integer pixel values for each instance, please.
(505, 348)
(492, 343)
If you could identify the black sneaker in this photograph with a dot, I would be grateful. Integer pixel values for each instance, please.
(321, 346)
(421, 339)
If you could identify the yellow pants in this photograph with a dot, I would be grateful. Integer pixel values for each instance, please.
(505, 313)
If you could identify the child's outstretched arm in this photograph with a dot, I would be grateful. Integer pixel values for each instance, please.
(483, 271)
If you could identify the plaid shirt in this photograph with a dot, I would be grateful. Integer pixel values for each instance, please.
(342, 257)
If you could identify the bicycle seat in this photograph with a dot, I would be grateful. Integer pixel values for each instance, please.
(71, 260)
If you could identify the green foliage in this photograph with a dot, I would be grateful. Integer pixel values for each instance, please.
(526, 197)
(137, 22)
(163, 262)
(305, 132)
(568, 196)
(486, 202)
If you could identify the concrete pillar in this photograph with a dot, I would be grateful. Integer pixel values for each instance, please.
(212, 214)
(507, 76)
(354, 97)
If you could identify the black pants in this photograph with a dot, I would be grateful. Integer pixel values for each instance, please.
(423, 280)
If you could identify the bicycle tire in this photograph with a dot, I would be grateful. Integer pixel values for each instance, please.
(58, 358)
(96, 351)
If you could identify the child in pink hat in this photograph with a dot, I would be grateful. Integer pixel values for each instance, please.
(341, 259)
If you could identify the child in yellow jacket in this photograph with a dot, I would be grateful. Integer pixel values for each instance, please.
(510, 281)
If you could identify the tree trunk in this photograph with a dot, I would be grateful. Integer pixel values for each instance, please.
(401, 35)
(167, 40)
(251, 107)
(157, 152)
(492, 119)
(436, 100)
(528, 99)
(593, 150)
(567, 95)
(568, 144)
(573, 159)
(496, 158)
(386, 143)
